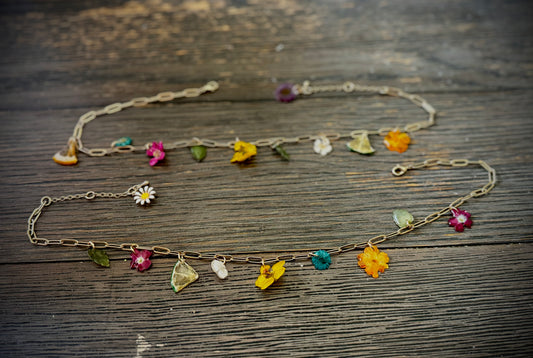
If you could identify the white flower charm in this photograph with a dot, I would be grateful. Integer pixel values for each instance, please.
(322, 146)
(144, 195)
(219, 268)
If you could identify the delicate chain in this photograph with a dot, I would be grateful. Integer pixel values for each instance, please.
(398, 170)
(304, 89)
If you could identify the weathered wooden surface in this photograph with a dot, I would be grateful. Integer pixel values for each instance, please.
(446, 294)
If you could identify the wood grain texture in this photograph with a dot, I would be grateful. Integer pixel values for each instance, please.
(430, 303)
(446, 294)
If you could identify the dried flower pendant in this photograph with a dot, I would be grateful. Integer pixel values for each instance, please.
(182, 275)
(361, 144)
(373, 261)
(397, 141)
(219, 268)
(67, 156)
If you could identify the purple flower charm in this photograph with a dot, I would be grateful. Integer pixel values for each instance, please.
(284, 93)
(140, 259)
(156, 151)
(460, 220)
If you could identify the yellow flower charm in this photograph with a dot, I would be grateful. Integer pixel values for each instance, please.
(372, 260)
(269, 275)
(397, 141)
(243, 151)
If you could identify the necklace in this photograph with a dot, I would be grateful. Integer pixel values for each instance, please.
(372, 260)
(395, 138)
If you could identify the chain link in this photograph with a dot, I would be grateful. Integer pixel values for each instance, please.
(398, 170)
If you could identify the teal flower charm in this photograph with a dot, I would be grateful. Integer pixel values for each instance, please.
(321, 259)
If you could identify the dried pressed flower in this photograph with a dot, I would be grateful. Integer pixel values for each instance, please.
(285, 93)
(269, 275)
(372, 260)
(460, 220)
(156, 151)
(243, 151)
(321, 259)
(322, 146)
(140, 259)
(397, 141)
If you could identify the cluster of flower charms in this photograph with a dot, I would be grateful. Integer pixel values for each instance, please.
(372, 260)
(395, 140)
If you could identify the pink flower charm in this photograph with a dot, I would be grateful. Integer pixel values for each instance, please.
(156, 151)
(140, 259)
(460, 220)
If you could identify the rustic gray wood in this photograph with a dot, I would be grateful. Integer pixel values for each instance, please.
(445, 294)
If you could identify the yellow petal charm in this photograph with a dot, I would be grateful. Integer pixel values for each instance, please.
(270, 274)
(243, 151)
(182, 275)
(361, 144)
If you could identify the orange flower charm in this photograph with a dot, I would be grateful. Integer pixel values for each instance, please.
(397, 141)
(372, 260)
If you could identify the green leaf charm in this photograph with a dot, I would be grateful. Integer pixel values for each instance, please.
(99, 256)
(361, 144)
(182, 275)
(282, 152)
(198, 152)
(402, 218)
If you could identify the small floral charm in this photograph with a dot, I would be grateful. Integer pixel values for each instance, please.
(361, 144)
(198, 152)
(321, 259)
(281, 151)
(67, 156)
(243, 151)
(156, 151)
(285, 93)
(182, 275)
(121, 142)
(99, 256)
(397, 141)
(322, 146)
(144, 195)
(402, 218)
(372, 260)
(219, 268)
(269, 275)
(460, 220)
(140, 259)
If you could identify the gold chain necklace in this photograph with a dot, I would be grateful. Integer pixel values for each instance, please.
(272, 268)
(396, 138)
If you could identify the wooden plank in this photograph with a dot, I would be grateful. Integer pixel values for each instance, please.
(457, 301)
(446, 294)
(63, 56)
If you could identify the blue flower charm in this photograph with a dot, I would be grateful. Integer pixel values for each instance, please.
(321, 259)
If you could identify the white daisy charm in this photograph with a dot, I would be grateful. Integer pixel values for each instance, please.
(144, 195)
(219, 268)
(322, 146)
